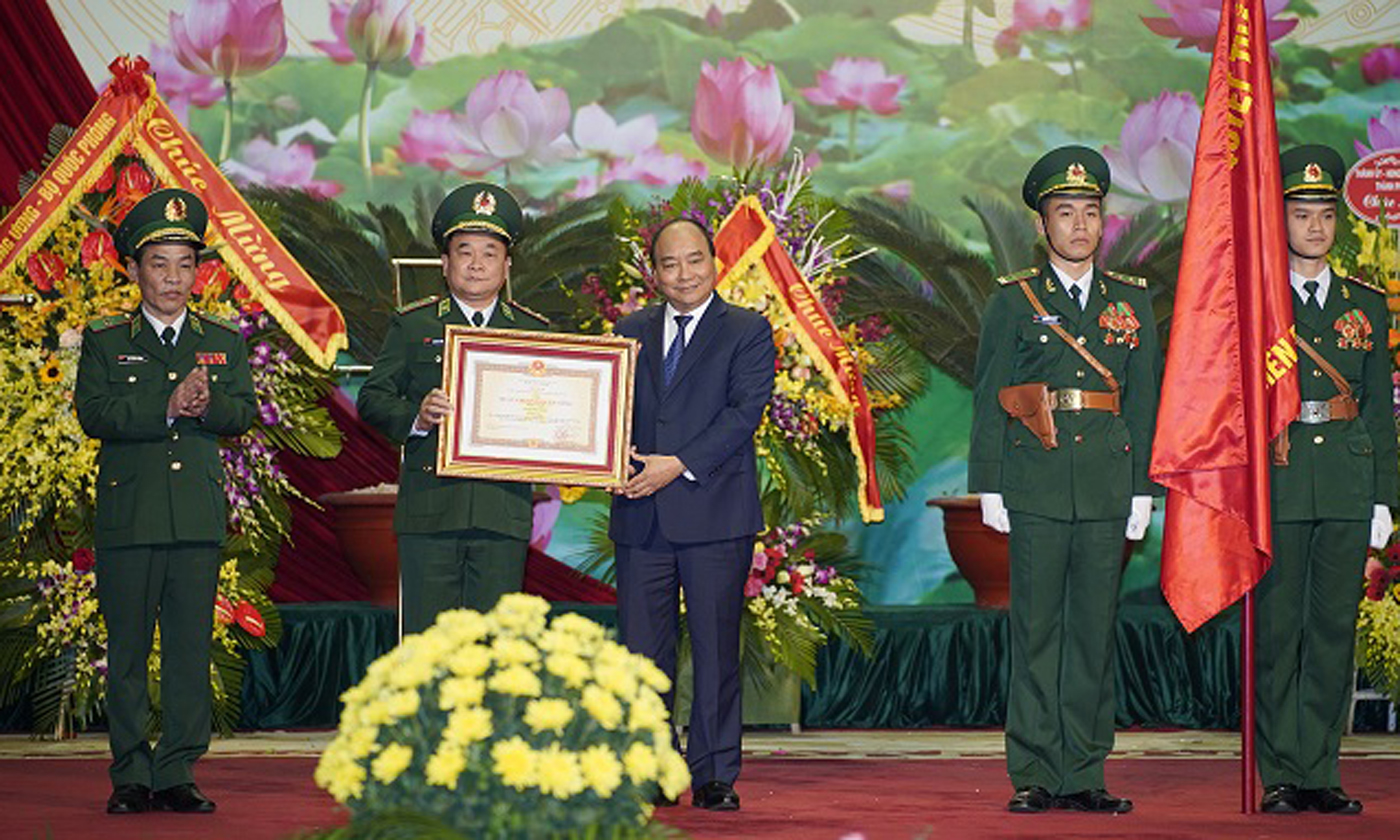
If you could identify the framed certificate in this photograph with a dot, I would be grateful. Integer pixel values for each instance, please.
(539, 407)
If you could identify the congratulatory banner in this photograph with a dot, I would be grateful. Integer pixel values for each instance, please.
(130, 114)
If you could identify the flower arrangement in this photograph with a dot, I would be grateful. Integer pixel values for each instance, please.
(796, 595)
(507, 724)
(1378, 625)
(48, 465)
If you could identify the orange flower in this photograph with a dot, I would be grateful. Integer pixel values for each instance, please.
(49, 371)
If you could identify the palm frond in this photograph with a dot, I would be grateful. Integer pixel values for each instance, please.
(1011, 240)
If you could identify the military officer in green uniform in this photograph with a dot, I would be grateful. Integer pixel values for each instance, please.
(1330, 498)
(461, 541)
(1064, 407)
(159, 387)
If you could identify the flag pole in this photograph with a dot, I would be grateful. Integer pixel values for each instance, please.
(1247, 706)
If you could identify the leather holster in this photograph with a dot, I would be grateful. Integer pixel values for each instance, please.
(1030, 403)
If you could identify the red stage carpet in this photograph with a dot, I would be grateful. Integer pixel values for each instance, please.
(810, 799)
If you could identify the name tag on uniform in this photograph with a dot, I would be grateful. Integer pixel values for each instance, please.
(1047, 320)
(210, 359)
(130, 359)
(433, 342)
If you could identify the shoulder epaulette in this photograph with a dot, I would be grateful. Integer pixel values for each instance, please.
(217, 321)
(1127, 279)
(106, 323)
(507, 306)
(1359, 282)
(1017, 276)
(417, 304)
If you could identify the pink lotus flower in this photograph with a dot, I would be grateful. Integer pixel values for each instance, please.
(544, 516)
(269, 165)
(853, 83)
(597, 133)
(179, 87)
(1054, 15)
(739, 116)
(1157, 148)
(656, 168)
(1381, 65)
(897, 191)
(1383, 132)
(229, 38)
(508, 120)
(431, 138)
(374, 32)
(1194, 22)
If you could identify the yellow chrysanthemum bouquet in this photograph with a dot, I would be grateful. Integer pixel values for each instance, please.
(507, 725)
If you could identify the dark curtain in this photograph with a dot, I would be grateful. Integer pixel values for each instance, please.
(43, 85)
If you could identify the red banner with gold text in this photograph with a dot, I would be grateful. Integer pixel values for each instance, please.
(746, 241)
(130, 112)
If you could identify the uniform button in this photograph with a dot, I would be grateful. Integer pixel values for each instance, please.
(1318, 439)
(1044, 339)
(176, 465)
(174, 435)
(1317, 339)
(171, 375)
(1317, 373)
(213, 377)
(1079, 373)
(131, 379)
(437, 358)
(1078, 438)
(1080, 339)
(427, 468)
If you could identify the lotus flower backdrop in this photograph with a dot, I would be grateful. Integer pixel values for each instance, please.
(931, 111)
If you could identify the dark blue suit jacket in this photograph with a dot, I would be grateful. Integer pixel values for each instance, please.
(707, 418)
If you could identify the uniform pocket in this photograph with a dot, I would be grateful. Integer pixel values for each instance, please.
(116, 496)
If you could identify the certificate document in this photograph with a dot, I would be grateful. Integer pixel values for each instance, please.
(538, 407)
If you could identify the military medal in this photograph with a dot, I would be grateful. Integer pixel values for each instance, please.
(1353, 331)
(1120, 324)
(210, 358)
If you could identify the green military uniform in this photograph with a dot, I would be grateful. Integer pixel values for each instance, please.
(462, 542)
(160, 506)
(1068, 505)
(1323, 501)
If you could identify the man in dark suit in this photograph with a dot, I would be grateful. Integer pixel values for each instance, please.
(688, 517)
(159, 387)
(1082, 339)
(1329, 500)
(461, 541)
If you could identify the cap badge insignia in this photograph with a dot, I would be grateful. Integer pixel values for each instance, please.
(1076, 175)
(1312, 174)
(484, 204)
(175, 210)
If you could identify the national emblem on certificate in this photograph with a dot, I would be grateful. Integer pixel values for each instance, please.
(537, 407)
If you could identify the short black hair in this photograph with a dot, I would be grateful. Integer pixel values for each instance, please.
(447, 242)
(704, 231)
(1045, 199)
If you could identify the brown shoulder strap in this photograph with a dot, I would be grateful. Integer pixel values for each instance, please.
(1069, 339)
(1343, 387)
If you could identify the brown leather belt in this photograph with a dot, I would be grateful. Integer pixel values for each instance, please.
(1077, 399)
(1340, 407)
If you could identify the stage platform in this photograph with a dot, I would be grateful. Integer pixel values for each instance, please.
(816, 785)
(932, 666)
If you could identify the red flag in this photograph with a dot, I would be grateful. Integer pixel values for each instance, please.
(1231, 382)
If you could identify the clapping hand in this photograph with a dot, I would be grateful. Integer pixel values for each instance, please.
(191, 397)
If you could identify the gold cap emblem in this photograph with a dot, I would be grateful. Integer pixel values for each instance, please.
(1076, 175)
(175, 210)
(1312, 174)
(484, 203)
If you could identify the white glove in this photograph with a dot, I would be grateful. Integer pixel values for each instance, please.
(994, 513)
(1381, 526)
(1139, 517)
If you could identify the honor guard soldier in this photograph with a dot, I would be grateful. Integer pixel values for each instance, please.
(1064, 406)
(159, 387)
(462, 542)
(1333, 482)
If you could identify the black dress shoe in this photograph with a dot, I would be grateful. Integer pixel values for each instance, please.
(129, 799)
(1097, 801)
(1030, 800)
(1329, 801)
(715, 796)
(182, 799)
(1281, 799)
